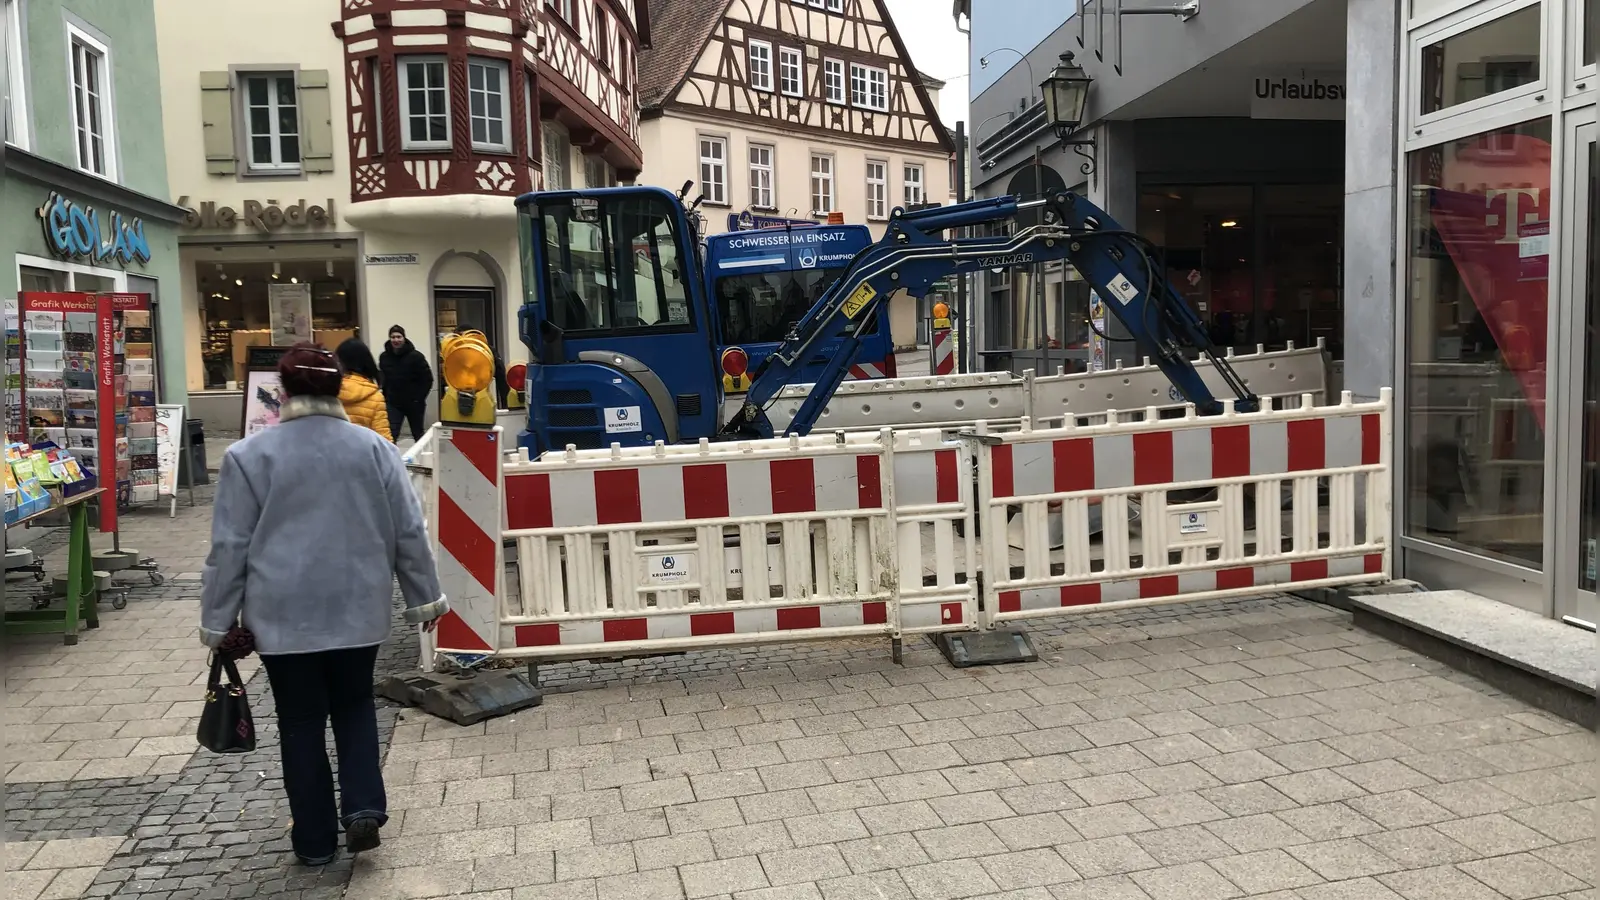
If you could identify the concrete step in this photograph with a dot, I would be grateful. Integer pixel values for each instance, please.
(1536, 659)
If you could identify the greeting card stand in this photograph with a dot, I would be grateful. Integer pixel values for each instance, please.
(86, 380)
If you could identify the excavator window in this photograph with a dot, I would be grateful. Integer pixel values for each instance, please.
(613, 264)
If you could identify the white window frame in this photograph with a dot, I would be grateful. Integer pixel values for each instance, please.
(403, 81)
(921, 183)
(108, 131)
(1460, 23)
(863, 100)
(835, 68)
(715, 191)
(118, 277)
(504, 69)
(835, 5)
(786, 57)
(14, 130)
(763, 172)
(598, 164)
(877, 193)
(566, 9)
(276, 166)
(551, 139)
(1579, 71)
(818, 176)
(760, 64)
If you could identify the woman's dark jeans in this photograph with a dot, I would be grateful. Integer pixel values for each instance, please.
(308, 689)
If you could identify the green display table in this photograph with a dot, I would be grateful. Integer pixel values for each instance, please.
(82, 600)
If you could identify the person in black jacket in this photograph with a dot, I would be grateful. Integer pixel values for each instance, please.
(407, 379)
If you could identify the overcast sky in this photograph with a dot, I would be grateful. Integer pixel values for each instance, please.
(937, 48)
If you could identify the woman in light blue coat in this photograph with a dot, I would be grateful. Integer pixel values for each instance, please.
(314, 521)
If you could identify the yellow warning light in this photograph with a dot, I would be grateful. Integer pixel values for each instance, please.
(468, 362)
(941, 310)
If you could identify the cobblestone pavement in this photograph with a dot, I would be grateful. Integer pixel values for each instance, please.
(1255, 749)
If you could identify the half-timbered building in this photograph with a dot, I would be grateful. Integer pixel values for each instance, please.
(371, 149)
(791, 109)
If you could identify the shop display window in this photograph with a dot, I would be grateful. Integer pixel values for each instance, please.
(236, 313)
(1259, 264)
(1477, 309)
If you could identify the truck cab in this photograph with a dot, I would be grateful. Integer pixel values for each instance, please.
(615, 320)
(761, 281)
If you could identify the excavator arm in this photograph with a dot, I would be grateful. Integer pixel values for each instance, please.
(913, 254)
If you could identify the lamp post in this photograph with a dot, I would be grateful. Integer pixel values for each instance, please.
(1066, 94)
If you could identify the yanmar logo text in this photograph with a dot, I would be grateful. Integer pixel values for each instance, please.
(995, 262)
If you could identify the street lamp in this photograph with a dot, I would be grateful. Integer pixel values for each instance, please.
(1066, 94)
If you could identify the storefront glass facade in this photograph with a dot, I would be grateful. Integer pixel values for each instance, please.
(1497, 490)
(237, 302)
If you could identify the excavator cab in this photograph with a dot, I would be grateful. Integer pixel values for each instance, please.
(617, 328)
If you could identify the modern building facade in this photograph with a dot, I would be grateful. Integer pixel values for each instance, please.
(83, 195)
(1410, 181)
(371, 149)
(792, 109)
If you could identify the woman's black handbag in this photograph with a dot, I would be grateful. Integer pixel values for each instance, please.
(225, 723)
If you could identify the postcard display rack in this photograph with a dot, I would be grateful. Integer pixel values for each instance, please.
(81, 373)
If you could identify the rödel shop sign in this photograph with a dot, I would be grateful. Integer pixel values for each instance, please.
(265, 217)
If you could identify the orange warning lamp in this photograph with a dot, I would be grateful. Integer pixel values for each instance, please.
(941, 315)
(468, 366)
(836, 218)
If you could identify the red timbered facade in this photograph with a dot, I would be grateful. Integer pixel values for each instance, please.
(450, 96)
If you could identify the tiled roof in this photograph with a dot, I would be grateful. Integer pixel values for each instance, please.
(678, 32)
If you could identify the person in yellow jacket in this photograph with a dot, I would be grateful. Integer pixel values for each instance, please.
(359, 392)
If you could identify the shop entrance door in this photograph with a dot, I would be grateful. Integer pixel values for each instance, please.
(1579, 524)
(458, 309)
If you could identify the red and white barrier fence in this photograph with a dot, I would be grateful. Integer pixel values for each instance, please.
(1209, 517)
(639, 551)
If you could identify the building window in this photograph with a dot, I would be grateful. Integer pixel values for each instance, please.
(1589, 20)
(602, 36)
(1477, 310)
(16, 105)
(487, 80)
(425, 104)
(761, 65)
(791, 72)
(714, 169)
(556, 153)
(915, 195)
(833, 80)
(272, 122)
(761, 177)
(835, 5)
(877, 189)
(953, 179)
(1480, 62)
(566, 9)
(821, 184)
(869, 87)
(91, 103)
(597, 173)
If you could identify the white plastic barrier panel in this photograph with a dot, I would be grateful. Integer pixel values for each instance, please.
(1212, 522)
(628, 552)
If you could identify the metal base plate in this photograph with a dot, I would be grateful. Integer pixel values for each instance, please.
(463, 699)
(989, 648)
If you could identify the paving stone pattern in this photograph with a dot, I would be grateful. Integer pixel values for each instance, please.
(1259, 749)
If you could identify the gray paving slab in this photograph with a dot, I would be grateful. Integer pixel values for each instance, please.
(1262, 749)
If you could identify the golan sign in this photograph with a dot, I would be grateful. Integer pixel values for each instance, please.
(75, 232)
